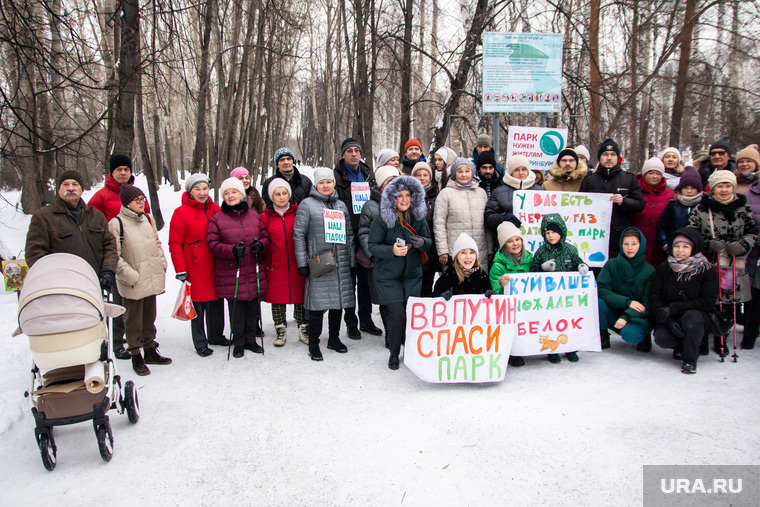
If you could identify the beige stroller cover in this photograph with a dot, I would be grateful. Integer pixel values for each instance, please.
(62, 311)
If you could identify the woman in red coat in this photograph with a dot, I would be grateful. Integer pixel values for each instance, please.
(193, 262)
(236, 238)
(656, 195)
(285, 285)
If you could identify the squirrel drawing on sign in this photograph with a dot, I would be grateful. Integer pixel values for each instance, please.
(552, 345)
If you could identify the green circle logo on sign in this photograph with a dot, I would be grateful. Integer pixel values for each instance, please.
(552, 143)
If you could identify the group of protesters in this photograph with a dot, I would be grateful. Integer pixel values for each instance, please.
(682, 251)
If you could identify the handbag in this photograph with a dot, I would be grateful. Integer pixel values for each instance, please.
(322, 263)
(719, 324)
(363, 260)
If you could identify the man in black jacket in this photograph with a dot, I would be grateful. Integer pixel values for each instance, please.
(610, 178)
(718, 158)
(286, 169)
(350, 169)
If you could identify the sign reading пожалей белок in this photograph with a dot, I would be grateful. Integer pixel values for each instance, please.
(687, 485)
(522, 72)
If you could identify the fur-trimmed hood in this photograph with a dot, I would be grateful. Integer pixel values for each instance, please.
(388, 201)
(578, 173)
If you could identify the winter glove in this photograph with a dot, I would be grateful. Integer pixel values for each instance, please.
(181, 276)
(257, 246)
(304, 271)
(582, 269)
(107, 280)
(717, 245)
(735, 248)
(675, 329)
(549, 265)
(447, 294)
(504, 280)
(238, 250)
(663, 314)
(489, 293)
(417, 241)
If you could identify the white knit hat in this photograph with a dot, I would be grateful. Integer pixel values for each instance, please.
(722, 176)
(670, 150)
(233, 183)
(464, 241)
(385, 172)
(323, 173)
(516, 161)
(278, 183)
(653, 164)
(384, 156)
(582, 150)
(506, 231)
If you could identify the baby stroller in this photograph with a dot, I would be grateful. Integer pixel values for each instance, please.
(63, 312)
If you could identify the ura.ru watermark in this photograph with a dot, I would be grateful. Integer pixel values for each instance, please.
(687, 485)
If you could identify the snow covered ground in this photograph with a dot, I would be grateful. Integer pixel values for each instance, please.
(283, 430)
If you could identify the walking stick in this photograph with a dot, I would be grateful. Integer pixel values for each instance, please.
(234, 303)
(733, 259)
(258, 290)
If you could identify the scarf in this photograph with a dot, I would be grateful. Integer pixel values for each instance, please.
(517, 259)
(513, 182)
(76, 211)
(746, 177)
(241, 206)
(690, 266)
(355, 175)
(689, 202)
(281, 211)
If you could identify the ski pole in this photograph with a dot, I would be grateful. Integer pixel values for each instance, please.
(234, 303)
(733, 259)
(258, 291)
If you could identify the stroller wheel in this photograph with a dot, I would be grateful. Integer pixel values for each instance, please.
(47, 451)
(105, 443)
(131, 403)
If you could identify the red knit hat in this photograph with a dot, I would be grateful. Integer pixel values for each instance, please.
(412, 142)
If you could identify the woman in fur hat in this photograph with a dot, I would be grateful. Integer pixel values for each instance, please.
(397, 242)
(725, 221)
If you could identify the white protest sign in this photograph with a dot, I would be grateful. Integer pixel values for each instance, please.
(556, 313)
(540, 145)
(335, 226)
(587, 216)
(359, 195)
(465, 339)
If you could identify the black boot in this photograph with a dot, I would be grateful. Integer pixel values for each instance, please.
(121, 353)
(604, 334)
(337, 345)
(138, 364)
(314, 353)
(516, 361)
(253, 347)
(152, 356)
(748, 343)
(238, 351)
(393, 362)
(645, 345)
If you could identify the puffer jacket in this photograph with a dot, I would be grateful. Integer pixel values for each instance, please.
(300, 186)
(106, 200)
(566, 182)
(500, 205)
(142, 264)
(398, 278)
(284, 284)
(54, 229)
(753, 200)
(407, 165)
(233, 225)
(461, 209)
(648, 220)
(188, 247)
(333, 290)
(566, 256)
(504, 265)
(616, 181)
(624, 279)
(431, 194)
(700, 292)
(674, 217)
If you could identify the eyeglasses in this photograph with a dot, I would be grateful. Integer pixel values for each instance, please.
(138, 200)
(719, 153)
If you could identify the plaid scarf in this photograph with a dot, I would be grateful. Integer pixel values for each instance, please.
(690, 266)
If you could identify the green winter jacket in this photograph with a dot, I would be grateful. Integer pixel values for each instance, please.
(623, 280)
(566, 256)
(503, 264)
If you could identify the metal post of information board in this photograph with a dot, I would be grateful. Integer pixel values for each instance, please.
(496, 137)
(543, 120)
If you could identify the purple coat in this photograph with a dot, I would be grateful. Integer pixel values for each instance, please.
(225, 230)
(753, 200)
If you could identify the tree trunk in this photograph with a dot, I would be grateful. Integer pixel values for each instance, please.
(682, 79)
(199, 151)
(406, 79)
(147, 167)
(595, 89)
(129, 68)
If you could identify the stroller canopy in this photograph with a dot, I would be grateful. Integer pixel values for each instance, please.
(61, 294)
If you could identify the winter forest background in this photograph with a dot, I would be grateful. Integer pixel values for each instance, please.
(211, 85)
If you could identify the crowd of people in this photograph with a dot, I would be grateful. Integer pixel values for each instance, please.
(683, 250)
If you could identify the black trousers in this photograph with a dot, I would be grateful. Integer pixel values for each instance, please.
(695, 325)
(243, 321)
(363, 299)
(117, 322)
(752, 316)
(315, 325)
(395, 325)
(210, 313)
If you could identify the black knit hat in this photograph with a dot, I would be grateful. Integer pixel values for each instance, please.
(486, 157)
(554, 228)
(721, 145)
(608, 145)
(567, 151)
(128, 193)
(349, 143)
(68, 174)
(120, 160)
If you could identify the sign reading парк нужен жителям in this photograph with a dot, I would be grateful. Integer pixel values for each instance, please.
(470, 338)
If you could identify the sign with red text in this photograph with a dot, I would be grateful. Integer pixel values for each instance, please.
(556, 313)
(540, 145)
(359, 195)
(587, 216)
(465, 339)
(335, 226)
